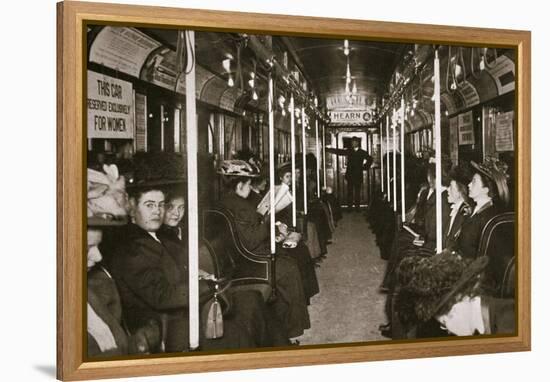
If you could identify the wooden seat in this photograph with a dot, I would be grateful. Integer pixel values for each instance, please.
(230, 259)
(498, 243)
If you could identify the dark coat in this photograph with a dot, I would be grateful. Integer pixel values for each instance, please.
(355, 159)
(104, 299)
(291, 302)
(252, 231)
(429, 230)
(450, 237)
(470, 234)
(153, 286)
(255, 198)
(249, 313)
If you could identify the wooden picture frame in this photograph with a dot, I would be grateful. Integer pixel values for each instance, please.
(71, 179)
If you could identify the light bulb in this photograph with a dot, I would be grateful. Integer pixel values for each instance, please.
(453, 86)
(283, 112)
(346, 51)
(230, 81)
(458, 70)
(255, 96)
(227, 64)
(251, 83)
(412, 113)
(482, 64)
(446, 113)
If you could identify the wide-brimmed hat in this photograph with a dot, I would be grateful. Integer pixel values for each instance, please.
(152, 170)
(284, 167)
(106, 197)
(237, 167)
(472, 271)
(498, 178)
(461, 174)
(430, 285)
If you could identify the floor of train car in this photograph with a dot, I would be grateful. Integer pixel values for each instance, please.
(349, 307)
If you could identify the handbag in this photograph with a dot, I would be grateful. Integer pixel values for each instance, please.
(214, 320)
(214, 310)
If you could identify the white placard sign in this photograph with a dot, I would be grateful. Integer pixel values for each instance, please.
(466, 129)
(110, 107)
(505, 132)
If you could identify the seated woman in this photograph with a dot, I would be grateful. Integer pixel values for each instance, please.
(106, 333)
(248, 309)
(152, 284)
(291, 302)
(488, 189)
(461, 204)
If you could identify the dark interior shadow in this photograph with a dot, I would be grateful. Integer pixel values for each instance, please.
(48, 370)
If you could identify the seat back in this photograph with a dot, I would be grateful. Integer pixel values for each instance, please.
(498, 243)
(230, 258)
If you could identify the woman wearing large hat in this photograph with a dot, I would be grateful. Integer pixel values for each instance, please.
(106, 333)
(489, 190)
(291, 302)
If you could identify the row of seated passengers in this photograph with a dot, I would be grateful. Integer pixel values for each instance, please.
(138, 293)
(417, 278)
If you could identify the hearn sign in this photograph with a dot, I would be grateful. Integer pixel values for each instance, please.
(350, 117)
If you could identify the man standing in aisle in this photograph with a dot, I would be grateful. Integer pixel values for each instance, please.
(357, 160)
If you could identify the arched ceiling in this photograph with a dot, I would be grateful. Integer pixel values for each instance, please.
(317, 66)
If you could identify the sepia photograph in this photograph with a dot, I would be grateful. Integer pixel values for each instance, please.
(242, 191)
(340, 191)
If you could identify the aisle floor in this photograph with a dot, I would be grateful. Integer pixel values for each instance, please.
(349, 307)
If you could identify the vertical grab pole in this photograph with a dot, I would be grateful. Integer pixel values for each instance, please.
(402, 144)
(324, 158)
(304, 167)
(394, 146)
(381, 160)
(271, 166)
(437, 133)
(293, 158)
(388, 156)
(192, 195)
(318, 159)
